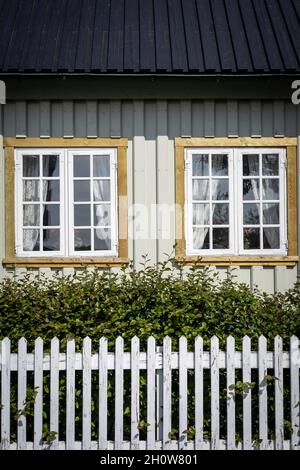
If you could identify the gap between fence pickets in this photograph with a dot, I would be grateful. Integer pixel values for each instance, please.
(159, 362)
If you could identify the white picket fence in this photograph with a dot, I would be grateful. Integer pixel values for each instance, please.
(159, 364)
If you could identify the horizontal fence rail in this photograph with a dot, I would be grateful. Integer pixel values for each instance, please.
(155, 399)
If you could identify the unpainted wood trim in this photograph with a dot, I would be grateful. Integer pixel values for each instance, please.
(122, 202)
(15, 262)
(235, 142)
(292, 214)
(36, 142)
(291, 146)
(9, 202)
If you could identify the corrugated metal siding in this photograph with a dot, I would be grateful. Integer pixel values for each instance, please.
(151, 127)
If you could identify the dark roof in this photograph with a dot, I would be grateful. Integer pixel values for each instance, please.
(150, 36)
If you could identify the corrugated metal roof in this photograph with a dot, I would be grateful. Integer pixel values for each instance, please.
(150, 36)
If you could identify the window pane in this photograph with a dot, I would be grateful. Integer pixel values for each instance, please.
(82, 239)
(201, 238)
(270, 165)
(220, 214)
(271, 214)
(51, 215)
(201, 213)
(31, 166)
(82, 215)
(220, 190)
(102, 239)
(102, 214)
(251, 238)
(221, 238)
(251, 214)
(270, 189)
(51, 240)
(50, 165)
(219, 165)
(31, 240)
(82, 191)
(250, 165)
(81, 166)
(200, 190)
(101, 166)
(271, 238)
(51, 190)
(31, 215)
(251, 190)
(31, 190)
(200, 165)
(101, 190)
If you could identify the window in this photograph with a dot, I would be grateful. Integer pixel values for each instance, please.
(245, 198)
(66, 202)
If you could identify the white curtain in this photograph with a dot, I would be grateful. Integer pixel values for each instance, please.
(272, 234)
(101, 193)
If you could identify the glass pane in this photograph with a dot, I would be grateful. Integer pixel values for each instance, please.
(81, 166)
(102, 214)
(31, 166)
(31, 240)
(250, 165)
(102, 239)
(220, 190)
(251, 238)
(50, 165)
(51, 190)
(219, 165)
(51, 240)
(82, 215)
(200, 165)
(82, 239)
(220, 214)
(201, 238)
(200, 190)
(201, 215)
(31, 190)
(271, 238)
(101, 190)
(31, 215)
(82, 191)
(271, 214)
(270, 189)
(51, 215)
(101, 166)
(251, 190)
(270, 165)
(220, 238)
(251, 214)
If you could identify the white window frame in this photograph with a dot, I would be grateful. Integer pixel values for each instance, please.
(235, 172)
(66, 202)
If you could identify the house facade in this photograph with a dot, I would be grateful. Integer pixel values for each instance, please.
(158, 128)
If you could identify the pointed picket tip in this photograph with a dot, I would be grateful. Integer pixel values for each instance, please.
(39, 340)
(6, 341)
(246, 338)
(135, 339)
(119, 340)
(294, 339)
(22, 341)
(103, 339)
(54, 340)
(278, 339)
(151, 338)
(87, 340)
(262, 337)
(214, 339)
(230, 339)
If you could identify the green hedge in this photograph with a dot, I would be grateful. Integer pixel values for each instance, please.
(154, 301)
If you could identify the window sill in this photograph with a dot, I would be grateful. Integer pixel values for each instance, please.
(64, 262)
(238, 260)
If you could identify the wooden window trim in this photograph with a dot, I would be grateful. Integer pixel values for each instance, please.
(290, 144)
(10, 144)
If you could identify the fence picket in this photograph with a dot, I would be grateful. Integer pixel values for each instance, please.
(215, 393)
(151, 356)
(22, 392)
(199, 444)
(278, 371)
(70, 421)
(183, 424)
(5, 394)
(119, 374)
(295, 396)
(54, 392)
(38, 386)
(230, 375)
(263, 394)
(86, 393)
(247, 410)
(135, 392)
(103, 394)
(167, 392)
